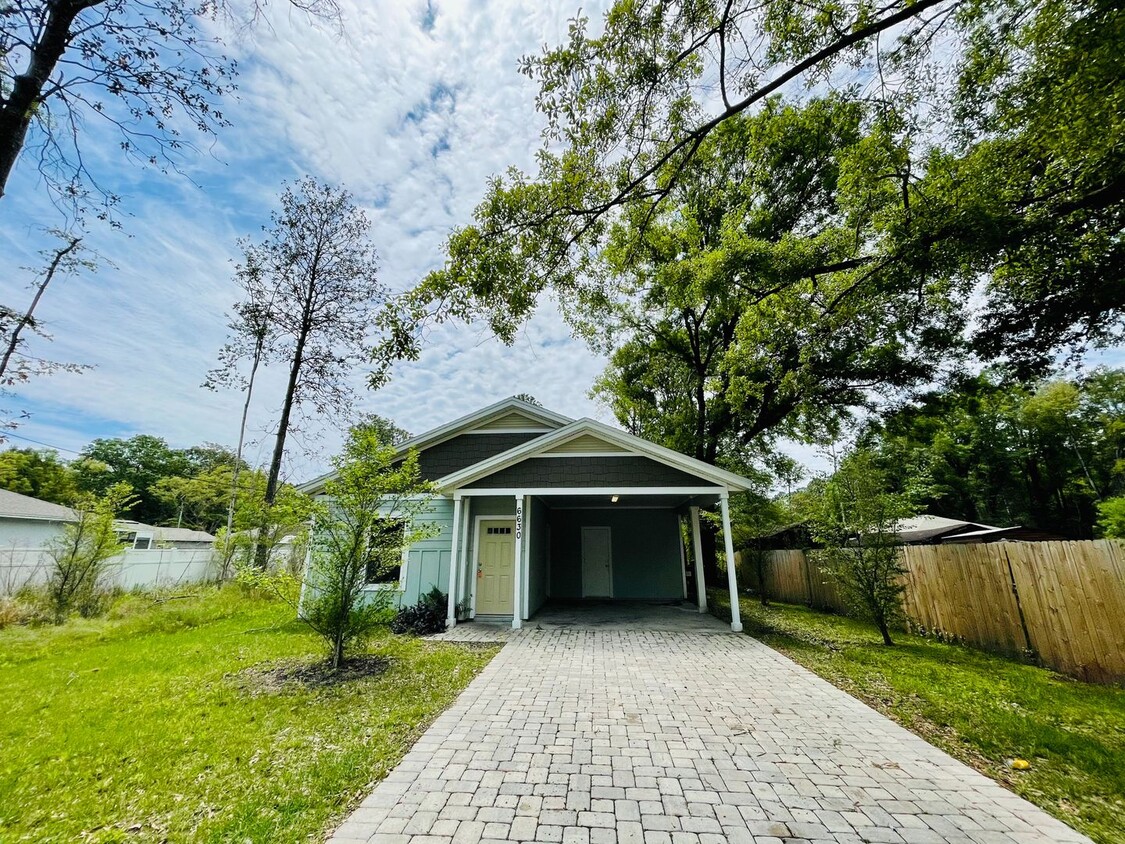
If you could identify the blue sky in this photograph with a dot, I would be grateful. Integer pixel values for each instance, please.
(412, 109)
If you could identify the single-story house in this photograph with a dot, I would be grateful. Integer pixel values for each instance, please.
(931, 530)
(30, 523)
(142, 537)
(532, 506)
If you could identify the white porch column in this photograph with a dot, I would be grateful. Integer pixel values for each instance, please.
(517, 585)
(451, 617)
(468, 587)
(697, 546)
(732, 575)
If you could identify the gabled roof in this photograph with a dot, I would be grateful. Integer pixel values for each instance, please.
(16, 506)
(616, 440)
(497, 418)
(925, 527)
(164, 534)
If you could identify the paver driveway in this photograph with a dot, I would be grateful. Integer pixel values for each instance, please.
(591, 736)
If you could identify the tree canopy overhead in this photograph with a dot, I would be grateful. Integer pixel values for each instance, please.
(750, 302)
(1002, 186)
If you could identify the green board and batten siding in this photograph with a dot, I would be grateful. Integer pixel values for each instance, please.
(427, 563)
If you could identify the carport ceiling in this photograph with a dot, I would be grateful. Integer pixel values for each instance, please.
(624, 500)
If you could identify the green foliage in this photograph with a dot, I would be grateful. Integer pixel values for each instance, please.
(131, 722)
(386, 430)
(980, 708)
(856, 518)
(78, 556)
(37, 473)
(425, 617)
(993, 154)
(1111, 517)
(754, 304)
(375, 503)
(998, 453)
(143, 462)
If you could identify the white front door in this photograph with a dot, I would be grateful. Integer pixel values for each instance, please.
(496, 566)
(597, 563)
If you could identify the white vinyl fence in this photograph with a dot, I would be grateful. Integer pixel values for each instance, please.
(23, 567)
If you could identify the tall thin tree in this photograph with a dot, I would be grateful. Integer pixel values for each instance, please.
(317, 265)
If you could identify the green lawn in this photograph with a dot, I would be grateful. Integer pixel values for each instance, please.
(128, 729)
(983, 709)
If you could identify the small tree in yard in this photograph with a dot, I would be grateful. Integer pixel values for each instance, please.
(857, 521)
(358, 535)
(78, 557)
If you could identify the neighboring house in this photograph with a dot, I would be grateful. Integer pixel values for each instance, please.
(154, 555)
(930, 530)
(142, 537)
(534, 506)
(27, 526)
(918, 530)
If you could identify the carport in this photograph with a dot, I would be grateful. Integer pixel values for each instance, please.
(588, 513)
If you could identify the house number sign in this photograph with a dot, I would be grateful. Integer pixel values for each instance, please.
(519, 522)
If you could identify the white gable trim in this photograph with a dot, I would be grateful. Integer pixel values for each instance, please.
(582, 427)
(448, 431)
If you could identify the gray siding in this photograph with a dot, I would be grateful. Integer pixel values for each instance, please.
(537, 535)
(630, 471)
(439, 460)
(645, 549)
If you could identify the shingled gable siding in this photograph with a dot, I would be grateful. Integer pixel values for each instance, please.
(542, 472)
(442, 459)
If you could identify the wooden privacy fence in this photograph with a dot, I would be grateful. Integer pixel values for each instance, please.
(1061, 602)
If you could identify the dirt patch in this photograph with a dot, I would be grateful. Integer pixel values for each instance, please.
(288, 675)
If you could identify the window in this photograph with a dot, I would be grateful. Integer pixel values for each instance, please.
(499, 530)
(143, 543)
(384, 551)
(126, 539)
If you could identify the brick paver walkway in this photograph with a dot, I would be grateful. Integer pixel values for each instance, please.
(588, 736)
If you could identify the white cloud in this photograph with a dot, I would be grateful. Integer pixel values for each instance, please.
(414, 121)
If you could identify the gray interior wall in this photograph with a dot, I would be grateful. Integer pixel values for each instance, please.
(538, 531)
(645, 549)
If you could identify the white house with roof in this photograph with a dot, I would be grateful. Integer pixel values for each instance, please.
(154, 556)
(532, 507)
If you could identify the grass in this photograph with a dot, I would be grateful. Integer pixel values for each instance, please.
(134, 727)
(983, 709)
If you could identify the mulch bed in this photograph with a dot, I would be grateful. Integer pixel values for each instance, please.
(279, 677)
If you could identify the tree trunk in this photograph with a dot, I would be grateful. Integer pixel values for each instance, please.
(228, 553)
(24, 97)
(884, 631)
(261, 552)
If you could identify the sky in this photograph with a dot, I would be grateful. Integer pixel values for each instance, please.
(413, 108)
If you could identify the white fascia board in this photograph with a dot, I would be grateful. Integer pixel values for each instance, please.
(590, 426)
(451, 429)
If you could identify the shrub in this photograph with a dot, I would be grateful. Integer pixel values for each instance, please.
(78, 557)
(856, 519)
(425, 617)
(1111, 517)
(24, 609)
(374, 502)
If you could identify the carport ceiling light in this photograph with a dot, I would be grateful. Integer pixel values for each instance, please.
(613, 498)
